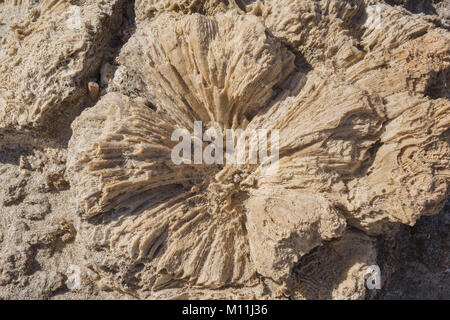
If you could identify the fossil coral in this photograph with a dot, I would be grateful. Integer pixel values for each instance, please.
(357, 92)
(360, 143)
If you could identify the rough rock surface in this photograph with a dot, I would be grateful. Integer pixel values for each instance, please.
(92, 206)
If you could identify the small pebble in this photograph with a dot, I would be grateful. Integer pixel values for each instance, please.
(94, 90)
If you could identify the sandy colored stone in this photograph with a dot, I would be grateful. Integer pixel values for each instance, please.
(357, 89)
(94, 90)
(346, 147)
(48, 50)
(337, 270)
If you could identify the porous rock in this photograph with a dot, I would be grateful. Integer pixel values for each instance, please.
(358, 91)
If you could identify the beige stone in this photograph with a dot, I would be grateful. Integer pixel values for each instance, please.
(358, 91)
(48, 50)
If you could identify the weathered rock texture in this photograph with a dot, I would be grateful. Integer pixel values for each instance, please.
(48, 50)
(357, 89)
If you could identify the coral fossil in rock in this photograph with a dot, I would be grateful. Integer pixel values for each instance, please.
(360, 142)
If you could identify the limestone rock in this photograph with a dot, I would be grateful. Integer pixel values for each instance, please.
(356, 90)
(48, 50)
(337, 270)
(149, 8)
(347, 149)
